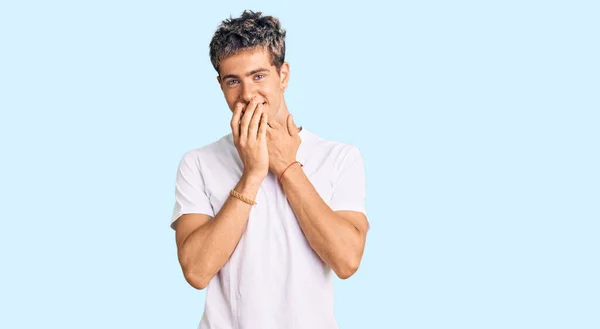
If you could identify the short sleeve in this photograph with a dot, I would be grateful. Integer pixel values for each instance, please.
(349, 187)
(190, 194)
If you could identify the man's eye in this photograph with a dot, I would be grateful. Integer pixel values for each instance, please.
(230, 82)
(259, 76)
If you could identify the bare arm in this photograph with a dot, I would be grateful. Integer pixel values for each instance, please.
(338, 237)
(204, 244)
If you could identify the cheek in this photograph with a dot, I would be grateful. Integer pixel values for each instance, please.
(272, 105)
(231, 100)
(273, 98)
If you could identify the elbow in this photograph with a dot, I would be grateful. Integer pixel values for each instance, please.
(347, 269)
(194, 275)
(346, 272)
(195, 280)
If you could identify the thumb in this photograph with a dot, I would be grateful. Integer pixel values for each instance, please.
(291, 126)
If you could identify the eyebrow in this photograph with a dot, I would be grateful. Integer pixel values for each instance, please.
(247, 74)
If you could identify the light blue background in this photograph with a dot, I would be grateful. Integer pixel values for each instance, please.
(478, 122)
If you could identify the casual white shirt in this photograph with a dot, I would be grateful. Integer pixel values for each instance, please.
(273, 279)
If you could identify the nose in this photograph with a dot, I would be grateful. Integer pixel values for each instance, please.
(247, 94)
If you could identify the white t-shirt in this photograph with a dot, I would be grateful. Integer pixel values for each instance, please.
(273, 279)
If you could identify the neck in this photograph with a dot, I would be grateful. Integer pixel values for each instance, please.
(282, 114)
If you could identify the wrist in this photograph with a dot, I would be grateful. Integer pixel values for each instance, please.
(246, 189)
(252, 178)
(287, 170)
(280, 167)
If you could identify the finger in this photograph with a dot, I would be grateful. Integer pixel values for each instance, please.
(262, 130)
(246, 119)
(291, 127)
(256, 117)
(235, 121)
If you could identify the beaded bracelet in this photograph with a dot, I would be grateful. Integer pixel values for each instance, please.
(238, 195)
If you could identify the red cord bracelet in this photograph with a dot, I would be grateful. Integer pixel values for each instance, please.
(281, 176)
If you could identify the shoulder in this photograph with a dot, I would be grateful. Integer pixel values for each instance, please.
(208, 151)
(339, 151)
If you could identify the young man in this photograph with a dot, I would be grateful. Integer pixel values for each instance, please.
(263, 215)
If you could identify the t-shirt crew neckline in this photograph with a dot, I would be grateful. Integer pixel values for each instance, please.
(301, 153)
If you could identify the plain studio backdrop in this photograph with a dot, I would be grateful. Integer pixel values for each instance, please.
(478, 123)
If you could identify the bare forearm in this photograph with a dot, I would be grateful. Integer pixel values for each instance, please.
(335, 240)
(208, 248)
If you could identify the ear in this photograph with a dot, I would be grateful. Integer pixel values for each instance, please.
(284, 75)
(219, 80)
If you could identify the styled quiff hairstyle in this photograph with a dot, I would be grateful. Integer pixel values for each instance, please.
(248, 32)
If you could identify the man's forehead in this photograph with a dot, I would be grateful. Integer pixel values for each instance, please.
(245, 62)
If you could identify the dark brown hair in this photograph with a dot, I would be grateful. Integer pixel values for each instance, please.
(249, 31)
